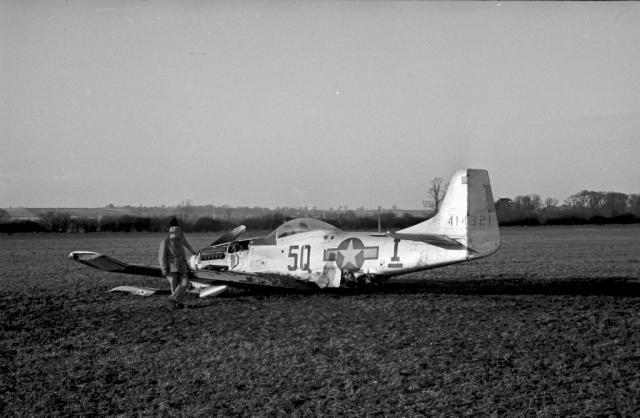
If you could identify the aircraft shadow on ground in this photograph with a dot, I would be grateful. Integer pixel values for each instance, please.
(617, 286)
(576, 286)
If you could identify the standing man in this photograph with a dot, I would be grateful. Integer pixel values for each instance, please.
(173, 262)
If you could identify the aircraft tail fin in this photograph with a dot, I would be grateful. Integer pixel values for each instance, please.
(467, 214)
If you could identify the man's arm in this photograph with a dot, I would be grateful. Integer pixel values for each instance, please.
(186, 244)
(162, 258)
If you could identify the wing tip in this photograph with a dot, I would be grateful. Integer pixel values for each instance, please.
(84, 255)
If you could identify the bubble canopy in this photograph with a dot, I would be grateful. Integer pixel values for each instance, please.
(297, 226)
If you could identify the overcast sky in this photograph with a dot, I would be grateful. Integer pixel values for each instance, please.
(313, 103)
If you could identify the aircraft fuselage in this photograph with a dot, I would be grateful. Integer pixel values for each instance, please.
(331, 258)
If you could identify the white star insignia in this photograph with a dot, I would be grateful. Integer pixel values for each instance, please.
(350, 255)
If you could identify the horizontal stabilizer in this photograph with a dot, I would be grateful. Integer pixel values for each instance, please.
(138, 291)
(438, 240)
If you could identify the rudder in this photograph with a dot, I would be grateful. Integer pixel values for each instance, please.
(483, 234)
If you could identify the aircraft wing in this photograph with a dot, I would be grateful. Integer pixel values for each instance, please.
(249, 280)
(106, 263)
(201, 277)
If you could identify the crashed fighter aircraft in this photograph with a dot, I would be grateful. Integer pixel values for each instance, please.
(310, 254)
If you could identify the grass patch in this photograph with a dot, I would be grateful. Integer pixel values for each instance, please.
(547, 326)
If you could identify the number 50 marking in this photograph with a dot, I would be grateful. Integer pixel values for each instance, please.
(304, 255)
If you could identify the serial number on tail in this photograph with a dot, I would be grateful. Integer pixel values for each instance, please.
(475, 220)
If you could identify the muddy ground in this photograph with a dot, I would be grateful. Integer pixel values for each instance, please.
(549, 325)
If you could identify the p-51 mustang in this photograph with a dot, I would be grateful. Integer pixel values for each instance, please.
(310, 254)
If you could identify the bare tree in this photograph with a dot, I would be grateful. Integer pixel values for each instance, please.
(633, 203)
(550, 203)
(615, 203)
(586, 199)
(186, 210)
(435, 194)
(536, 201)
(228, 210)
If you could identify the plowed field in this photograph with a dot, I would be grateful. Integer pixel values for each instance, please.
(550, 325)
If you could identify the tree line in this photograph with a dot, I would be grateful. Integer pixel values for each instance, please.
(63, 222)
(585, 207)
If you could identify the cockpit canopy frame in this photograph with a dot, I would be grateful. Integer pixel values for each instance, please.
(293, 227)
